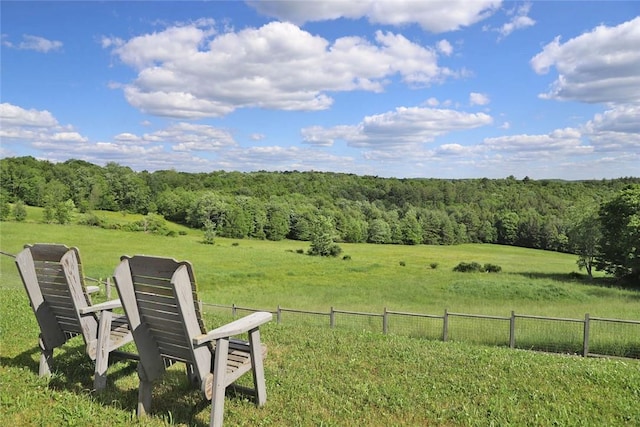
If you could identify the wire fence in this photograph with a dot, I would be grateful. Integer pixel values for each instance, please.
(588, 337)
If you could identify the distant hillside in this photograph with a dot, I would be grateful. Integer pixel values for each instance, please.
(277, 205)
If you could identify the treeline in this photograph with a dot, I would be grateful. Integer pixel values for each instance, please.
(278, 205)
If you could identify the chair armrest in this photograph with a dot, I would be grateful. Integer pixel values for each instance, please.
(92, 289)
(107, 305)
(236, 327)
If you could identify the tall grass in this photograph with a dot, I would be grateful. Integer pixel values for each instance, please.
(264, 274)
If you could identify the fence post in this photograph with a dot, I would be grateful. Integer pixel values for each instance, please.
(512, 330)
(385, 322)
(585, 343)
(332, 318)
(445, 326)
(233, 311)
(278, 313)
(107, 288)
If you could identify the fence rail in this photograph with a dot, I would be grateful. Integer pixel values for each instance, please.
(588, 337)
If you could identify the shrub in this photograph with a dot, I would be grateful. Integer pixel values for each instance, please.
(403, 264)
(473, 267)
(492, 268)
(433, 265)
(346, 257)
(90, 219)
(468, 267)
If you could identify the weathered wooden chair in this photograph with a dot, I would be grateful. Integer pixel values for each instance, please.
(159, 296)
(52, 276)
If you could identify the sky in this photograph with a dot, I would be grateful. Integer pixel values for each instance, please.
(435, 88)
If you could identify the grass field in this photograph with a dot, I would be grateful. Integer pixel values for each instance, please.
(319, 376)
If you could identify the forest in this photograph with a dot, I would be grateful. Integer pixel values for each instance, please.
(542, 214)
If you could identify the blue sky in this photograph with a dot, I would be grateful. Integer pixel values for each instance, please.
(439, 89)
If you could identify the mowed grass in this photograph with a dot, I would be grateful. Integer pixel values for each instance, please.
(319, 376)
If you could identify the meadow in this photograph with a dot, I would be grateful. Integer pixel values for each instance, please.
(320, 376)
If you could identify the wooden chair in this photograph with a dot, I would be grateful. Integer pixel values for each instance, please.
(52, 276)
(159, 296)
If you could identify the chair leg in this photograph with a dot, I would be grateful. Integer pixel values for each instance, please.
(219, 383)
(102, 351)
(258, 367)
(46, 360)
(144, 393)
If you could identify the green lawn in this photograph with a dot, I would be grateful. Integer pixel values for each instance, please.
(319, 376)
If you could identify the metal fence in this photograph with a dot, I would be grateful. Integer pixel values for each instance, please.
(588, 337)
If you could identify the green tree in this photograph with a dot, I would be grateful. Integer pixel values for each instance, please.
(379, 231)
(63, 211)
(277, 225)
(584, 235)
(209, 229)
(508, 228)
(237, 224)
(411, 229)
(322, 238)
(5, 207)
(19, 211)
(619, 252)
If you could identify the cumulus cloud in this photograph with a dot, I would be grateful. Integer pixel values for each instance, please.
(600, 66)
(13, 116)
(567, 140)
(434, 16)
(403, 126)
(37, 43)
(190, 72)
(617, 129)
(476, 98)
(445, 47)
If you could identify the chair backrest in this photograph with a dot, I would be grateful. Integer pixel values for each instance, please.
(159, 296)
(55, 296)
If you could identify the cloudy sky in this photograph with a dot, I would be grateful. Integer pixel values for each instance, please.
(431, 88)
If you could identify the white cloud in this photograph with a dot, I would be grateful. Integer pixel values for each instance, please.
(434, 16)
(403, 126)
(444, 47)
(600, 66)
(432, 102)
(187, 72)
(12, 115)
(568, 140)
(518, 21)
(476, 98)
(37, 43)
(616, 130)
(68, 137)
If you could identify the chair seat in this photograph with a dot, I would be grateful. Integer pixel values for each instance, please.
(160, 298)
(52, 276)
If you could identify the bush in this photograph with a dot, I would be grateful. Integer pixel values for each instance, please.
(468, 267)
(90, 219)
(403, 264)
(474, 267)
(346, 257)
(492, 268)
(433, 265)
